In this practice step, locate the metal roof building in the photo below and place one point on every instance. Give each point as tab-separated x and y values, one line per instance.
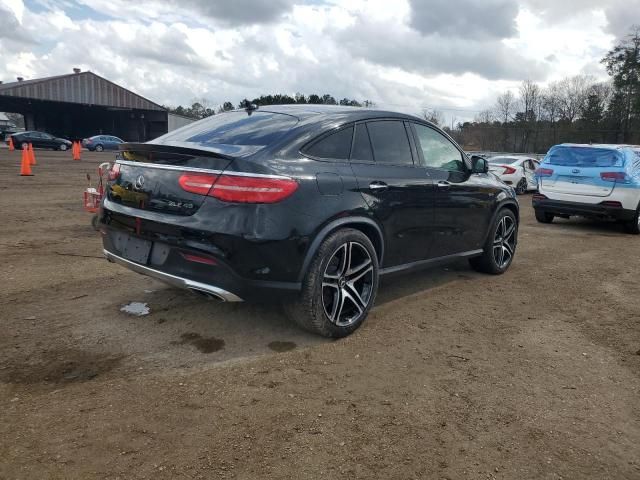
82	104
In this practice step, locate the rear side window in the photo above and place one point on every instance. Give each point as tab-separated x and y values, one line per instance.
390	142
584	157
361	150
335	146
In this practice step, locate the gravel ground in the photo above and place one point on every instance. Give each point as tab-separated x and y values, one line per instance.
455	375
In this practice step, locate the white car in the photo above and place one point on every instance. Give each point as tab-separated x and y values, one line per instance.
517	171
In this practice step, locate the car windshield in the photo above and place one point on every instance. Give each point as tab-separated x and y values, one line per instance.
584	157
503	160
232	133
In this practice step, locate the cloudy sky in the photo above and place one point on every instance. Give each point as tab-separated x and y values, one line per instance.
454	55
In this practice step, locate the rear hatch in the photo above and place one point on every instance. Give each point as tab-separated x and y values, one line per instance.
581	170
175	173
150	177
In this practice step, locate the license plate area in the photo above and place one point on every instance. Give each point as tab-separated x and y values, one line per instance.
134	249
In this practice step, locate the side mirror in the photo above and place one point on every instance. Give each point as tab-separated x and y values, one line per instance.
479	164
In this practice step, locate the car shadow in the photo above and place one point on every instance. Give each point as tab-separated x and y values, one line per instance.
183	329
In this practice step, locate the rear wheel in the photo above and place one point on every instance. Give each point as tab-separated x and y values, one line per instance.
500	247
633	226
544	217
521	188
339	287
99	148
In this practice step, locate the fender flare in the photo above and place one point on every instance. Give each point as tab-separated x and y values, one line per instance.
500	205
331	227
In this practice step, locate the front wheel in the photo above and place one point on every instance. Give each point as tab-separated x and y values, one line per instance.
500	246
340	286
99	148
63	147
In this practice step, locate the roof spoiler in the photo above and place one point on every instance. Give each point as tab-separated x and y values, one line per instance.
154	147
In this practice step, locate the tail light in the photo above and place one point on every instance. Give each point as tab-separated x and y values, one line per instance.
508	170
538	196
199	184
544	172
613	176
87	140
239	189
114	172
611	203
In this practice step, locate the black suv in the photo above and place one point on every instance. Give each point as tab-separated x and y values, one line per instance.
309	203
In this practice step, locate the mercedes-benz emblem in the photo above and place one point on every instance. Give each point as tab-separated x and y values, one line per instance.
139	182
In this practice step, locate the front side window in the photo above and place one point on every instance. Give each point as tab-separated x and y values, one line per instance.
335	146
390	142
438	151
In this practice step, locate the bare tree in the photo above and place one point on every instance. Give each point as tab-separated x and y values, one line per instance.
573	94
505	110
434	116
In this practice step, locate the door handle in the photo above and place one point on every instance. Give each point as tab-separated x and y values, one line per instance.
443	184
378	186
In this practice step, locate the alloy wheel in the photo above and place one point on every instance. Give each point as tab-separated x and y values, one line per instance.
347	284
521	188
504	242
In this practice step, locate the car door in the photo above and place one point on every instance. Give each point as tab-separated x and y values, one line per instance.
529	174
39	140
462	206
399	192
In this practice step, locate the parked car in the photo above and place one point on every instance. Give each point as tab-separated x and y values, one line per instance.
39	140
98	143
595	181
517	171
306	203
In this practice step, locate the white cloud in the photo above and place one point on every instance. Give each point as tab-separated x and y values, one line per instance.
402	55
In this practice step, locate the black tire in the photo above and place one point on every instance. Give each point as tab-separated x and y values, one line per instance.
319	294
95	222
23	145
544	217
521	188
633	226
500	247
99	148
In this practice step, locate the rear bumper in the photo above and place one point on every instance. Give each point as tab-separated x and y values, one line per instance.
598	211
174	280
171	264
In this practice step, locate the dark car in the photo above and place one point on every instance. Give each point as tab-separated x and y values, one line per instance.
306	203
39	140
98	143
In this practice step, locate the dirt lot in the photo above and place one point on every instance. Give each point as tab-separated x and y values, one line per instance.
455	375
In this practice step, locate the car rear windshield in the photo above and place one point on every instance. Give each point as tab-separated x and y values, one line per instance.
232	133
503	160
584	157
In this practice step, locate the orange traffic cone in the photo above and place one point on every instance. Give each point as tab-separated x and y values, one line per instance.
32	155
76	151
25	165
11	146
79	149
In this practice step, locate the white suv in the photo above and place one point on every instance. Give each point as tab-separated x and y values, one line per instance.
597	181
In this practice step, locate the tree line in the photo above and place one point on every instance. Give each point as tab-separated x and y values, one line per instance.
202	108
576	109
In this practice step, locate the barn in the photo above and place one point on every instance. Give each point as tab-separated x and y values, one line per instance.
82	104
